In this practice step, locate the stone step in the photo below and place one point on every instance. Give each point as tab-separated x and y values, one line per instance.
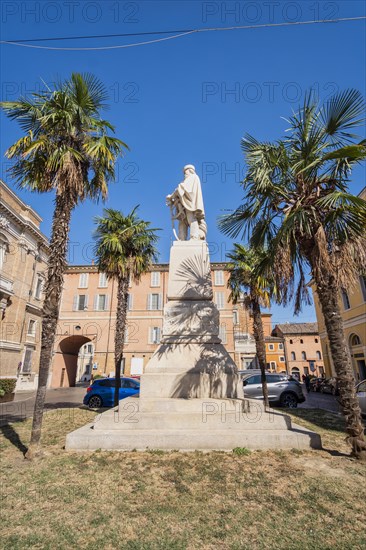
207	420
183	406
87	438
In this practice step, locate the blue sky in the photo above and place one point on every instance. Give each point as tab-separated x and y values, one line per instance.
188	100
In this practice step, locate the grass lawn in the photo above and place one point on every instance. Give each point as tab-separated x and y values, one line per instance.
155	500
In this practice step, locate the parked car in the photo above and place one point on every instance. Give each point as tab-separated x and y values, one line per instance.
101	392
281	390
315	384
329	385
361	394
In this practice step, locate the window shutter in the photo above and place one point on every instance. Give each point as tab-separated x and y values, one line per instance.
130	302
160	302
106	303
149	301
86	301
151	335
158	334
96	302
75	303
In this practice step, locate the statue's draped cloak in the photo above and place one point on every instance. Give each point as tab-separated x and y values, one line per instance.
191	195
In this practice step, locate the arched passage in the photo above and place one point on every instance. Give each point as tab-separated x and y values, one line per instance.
65	363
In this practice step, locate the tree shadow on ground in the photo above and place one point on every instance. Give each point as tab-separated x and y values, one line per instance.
11	435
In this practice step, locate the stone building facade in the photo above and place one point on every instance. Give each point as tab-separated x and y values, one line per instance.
23	263
85	337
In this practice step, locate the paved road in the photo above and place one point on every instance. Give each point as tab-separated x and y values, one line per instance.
320	401
23	405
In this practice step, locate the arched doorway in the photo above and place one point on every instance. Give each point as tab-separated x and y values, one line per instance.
66	365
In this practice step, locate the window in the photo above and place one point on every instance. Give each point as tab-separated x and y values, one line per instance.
271	347
31	327
321	371
318	355
103	282
293	356
303	355
236	317
345	299
83	280
306	370
27	360
220	300
291	341
154	302
219	278
280	346
4	248
282	359
316	340
154	335
273	378
273	365
39	287
355	340
363	286
301	341
222	334
89	348
101	302
129	302
252	380
155	278
80	302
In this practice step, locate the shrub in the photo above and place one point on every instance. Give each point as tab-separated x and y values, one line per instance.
7	385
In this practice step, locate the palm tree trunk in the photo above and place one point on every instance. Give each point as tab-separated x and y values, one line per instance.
328	294
260	346
119	338
52	295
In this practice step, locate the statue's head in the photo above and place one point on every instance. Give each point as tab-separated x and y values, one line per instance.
189	169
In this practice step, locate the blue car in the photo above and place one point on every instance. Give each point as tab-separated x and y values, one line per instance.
101	392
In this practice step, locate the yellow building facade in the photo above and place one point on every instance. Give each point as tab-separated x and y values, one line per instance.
353	308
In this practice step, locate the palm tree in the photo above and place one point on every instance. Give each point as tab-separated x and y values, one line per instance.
244	275
298	204
124	250
66	149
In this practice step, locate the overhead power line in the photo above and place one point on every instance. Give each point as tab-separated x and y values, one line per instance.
25	42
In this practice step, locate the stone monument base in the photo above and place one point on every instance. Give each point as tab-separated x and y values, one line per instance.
189	370
189	425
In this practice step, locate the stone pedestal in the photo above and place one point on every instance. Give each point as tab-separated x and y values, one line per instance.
191	361
191	396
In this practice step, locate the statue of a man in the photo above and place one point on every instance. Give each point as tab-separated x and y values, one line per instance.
186	205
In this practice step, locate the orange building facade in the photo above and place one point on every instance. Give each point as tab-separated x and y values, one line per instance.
85	336
302	348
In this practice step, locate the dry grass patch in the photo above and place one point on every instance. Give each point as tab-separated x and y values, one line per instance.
264	499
